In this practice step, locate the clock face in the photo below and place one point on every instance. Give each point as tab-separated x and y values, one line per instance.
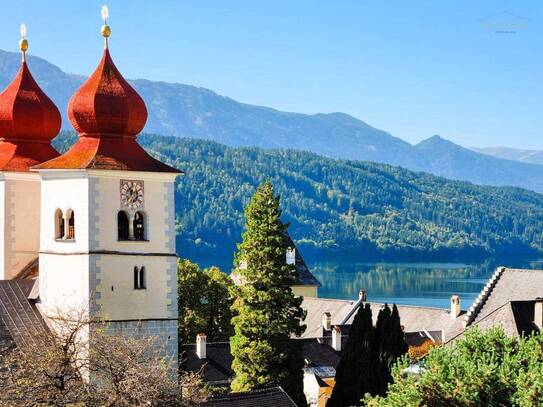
131	194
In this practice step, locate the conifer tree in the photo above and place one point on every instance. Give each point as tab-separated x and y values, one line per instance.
266	311
389	346
354	374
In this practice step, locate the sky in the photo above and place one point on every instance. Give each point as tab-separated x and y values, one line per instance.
471	72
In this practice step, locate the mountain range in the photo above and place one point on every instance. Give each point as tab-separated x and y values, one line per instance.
515	154
187	111
342	208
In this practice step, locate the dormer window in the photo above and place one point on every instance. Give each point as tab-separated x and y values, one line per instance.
291	255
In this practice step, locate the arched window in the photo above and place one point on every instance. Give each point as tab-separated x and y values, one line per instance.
122	226
139	277
139	226
71	225
59	224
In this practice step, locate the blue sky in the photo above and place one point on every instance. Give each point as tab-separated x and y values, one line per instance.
472	73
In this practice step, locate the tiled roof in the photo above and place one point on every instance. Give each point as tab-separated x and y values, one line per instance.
20	315
512	285
413	318
274	397
516	318
216	368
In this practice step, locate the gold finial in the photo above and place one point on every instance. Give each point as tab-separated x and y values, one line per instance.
106	30
23	43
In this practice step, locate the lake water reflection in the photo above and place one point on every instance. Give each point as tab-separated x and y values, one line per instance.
427	284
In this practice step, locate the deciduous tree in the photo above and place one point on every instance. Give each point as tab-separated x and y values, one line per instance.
204	303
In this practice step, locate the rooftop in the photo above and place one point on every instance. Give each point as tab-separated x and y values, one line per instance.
413	318
274	396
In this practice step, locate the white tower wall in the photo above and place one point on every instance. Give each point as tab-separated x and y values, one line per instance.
20	221
95	270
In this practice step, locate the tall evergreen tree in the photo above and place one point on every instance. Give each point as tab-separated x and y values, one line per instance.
389	346
354	374
267	313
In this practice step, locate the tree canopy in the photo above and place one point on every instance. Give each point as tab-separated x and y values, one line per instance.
204	303
482	369
266	311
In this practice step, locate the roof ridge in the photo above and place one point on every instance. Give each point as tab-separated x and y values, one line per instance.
480	301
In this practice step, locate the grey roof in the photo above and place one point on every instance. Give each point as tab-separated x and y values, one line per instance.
413	318
303	275
217	367
511	285
516	318
19	314
274	396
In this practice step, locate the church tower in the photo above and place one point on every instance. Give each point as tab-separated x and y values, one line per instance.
29	120
107	242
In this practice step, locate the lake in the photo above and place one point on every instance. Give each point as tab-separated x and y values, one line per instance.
428	284
425	284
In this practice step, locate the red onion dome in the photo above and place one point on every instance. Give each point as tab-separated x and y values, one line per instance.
106	104
26	113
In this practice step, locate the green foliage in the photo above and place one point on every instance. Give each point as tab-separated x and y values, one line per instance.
266	311
389	346
354	375
370	353
482	369
204	303
374	210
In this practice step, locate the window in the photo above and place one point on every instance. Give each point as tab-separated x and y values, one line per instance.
122	226
59	224
139	226
71	225
139	278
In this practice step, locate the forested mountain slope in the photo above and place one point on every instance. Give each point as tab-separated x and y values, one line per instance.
364	209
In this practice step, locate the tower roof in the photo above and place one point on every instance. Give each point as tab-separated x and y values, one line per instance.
108	114
106	104
29	120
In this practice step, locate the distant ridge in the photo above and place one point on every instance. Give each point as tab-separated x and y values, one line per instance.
515	154
188	111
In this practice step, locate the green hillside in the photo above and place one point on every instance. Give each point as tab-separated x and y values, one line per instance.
363	209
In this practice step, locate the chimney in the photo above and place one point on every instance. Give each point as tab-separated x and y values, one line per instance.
362	295
336	338
326	321
201	346
455	306
538	313
291	255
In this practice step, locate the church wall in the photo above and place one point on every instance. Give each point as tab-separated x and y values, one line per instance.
22	221
64	283
117	298
3	274
165	332
65	190
106	196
